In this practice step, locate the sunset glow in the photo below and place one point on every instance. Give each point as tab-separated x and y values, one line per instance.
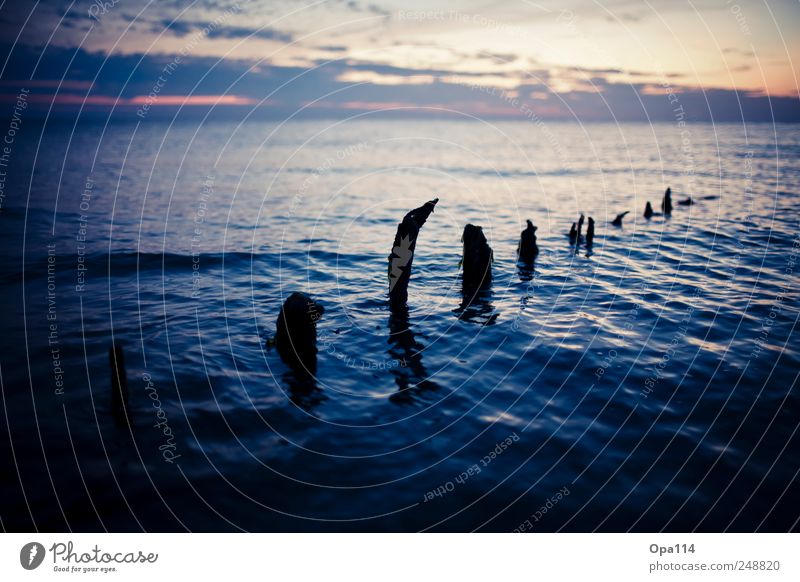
414	53
594	56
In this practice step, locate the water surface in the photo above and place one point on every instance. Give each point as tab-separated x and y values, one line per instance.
647	383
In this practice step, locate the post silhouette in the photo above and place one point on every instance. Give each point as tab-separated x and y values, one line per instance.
618	220
527	248
402	255
666	203
296	332
477	258
573	234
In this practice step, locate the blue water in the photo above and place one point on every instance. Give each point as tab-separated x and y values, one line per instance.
647	384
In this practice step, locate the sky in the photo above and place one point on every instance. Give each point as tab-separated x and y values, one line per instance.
720	60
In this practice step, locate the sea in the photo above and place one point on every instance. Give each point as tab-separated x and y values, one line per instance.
646	382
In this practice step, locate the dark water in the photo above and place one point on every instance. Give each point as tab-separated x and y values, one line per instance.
647	384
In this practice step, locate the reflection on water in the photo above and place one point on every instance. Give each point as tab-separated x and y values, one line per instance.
410	375
526	271
303	389
476	305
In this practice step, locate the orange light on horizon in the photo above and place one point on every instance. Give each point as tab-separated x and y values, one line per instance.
192	100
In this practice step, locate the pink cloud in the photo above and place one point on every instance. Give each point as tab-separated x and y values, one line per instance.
192	100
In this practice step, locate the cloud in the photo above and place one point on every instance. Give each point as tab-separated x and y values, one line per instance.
215	30
344	86
242	32
177	27
369	8
332	48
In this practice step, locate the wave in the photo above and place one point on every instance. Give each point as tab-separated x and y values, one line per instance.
122	263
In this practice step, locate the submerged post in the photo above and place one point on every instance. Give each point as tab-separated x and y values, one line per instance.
478	256
402	255
666	203
618	220
296	335
527	249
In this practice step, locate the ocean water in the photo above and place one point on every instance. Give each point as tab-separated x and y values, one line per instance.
648	383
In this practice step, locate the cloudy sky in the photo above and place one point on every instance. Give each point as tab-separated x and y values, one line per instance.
607	59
